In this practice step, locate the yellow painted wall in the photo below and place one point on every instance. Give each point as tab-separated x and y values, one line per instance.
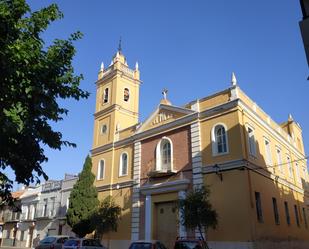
214	100
234	142
118	152
261	133
107	156
268	229
230	198
121	197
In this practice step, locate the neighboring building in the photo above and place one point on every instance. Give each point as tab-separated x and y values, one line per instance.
43	211
48	209
26	227
66	188
256	168
9	221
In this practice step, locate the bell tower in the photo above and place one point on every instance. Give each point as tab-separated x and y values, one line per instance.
117	99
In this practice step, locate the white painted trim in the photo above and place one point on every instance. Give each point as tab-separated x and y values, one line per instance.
250	126
136	191
99	169
164	107
121	164
159	154
214	144
148	212
165	187
272	131
231	165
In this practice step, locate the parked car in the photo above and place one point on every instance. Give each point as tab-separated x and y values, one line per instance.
83	244
52	242
147	244
190	243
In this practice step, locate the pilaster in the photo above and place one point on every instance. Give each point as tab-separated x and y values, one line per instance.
135	219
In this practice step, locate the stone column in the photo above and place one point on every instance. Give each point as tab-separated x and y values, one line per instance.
136	192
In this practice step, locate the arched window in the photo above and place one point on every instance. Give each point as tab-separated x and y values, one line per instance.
164	154
219	139
123	167
251	141
101	169
126	94
105	95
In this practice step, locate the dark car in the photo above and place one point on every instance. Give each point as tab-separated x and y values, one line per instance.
147	244
83	244
187	243
52	242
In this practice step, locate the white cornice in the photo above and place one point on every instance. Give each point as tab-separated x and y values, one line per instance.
272	131
165	187
241	163
178	123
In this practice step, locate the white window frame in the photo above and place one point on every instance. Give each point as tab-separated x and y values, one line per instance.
305	172
214	141
99	170
251	141
290	167
159	166
297	172
121	164
279	159
268	155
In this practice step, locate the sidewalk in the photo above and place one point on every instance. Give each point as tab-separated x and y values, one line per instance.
13	247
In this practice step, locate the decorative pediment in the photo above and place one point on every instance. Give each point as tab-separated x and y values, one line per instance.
162	115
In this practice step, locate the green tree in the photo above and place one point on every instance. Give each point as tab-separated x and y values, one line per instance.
33	78
197	212
83	202
106	217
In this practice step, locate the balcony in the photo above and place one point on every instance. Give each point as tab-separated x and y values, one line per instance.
48	211
11	216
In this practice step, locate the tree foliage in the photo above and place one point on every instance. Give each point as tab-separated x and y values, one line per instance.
32	80
197	212
106	217
83	202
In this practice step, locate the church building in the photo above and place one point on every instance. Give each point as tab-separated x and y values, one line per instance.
255	168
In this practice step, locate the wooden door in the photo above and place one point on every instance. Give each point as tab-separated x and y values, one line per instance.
166	223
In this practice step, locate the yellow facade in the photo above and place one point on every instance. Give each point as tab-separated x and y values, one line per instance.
254	170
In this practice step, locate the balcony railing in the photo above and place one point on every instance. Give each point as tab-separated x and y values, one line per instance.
11	216
48	211
42	211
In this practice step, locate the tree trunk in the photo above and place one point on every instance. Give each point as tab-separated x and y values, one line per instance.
202	236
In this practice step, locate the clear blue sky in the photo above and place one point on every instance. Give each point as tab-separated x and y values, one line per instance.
189	47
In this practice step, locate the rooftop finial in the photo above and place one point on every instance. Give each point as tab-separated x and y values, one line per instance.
164	92
119	46
102	66
290	117
233	80
136	66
